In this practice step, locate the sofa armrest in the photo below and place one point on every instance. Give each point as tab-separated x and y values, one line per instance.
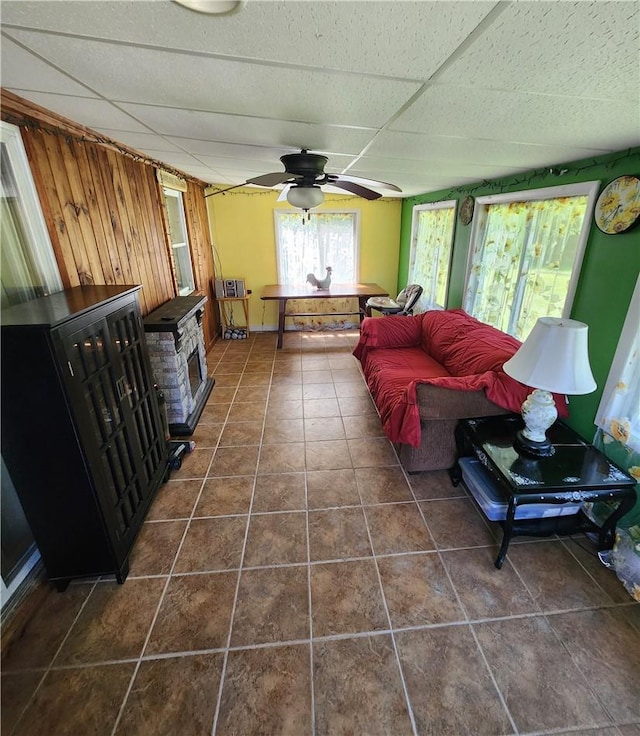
389	332
436	402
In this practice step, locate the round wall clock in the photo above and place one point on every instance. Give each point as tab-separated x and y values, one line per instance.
618	206
466	210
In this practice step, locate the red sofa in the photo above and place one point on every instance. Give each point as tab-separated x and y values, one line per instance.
427	371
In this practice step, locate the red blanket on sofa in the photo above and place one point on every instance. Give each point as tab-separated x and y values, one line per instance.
447	348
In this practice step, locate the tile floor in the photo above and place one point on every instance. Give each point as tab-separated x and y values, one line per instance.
291	579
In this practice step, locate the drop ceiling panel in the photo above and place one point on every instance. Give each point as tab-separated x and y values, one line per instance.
22	70
132	74
86	111
246	130
473	151
474	112
354	36
583	49
392	166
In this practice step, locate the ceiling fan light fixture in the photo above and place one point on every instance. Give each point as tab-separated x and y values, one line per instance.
213	7
305	197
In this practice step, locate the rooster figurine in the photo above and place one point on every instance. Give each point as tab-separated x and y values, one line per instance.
324	283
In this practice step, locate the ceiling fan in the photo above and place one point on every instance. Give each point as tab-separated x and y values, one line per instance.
304	174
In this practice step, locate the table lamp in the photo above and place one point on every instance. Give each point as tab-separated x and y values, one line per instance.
554	358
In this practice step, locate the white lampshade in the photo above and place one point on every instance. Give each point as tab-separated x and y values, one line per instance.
554	358
213	7
305	197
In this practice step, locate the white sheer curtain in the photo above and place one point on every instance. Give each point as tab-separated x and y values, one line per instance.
526	255
327	239
430	258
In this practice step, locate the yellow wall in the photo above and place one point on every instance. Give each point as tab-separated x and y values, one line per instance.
243	234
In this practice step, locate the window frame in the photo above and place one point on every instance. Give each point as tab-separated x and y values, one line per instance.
356	234
446	204
587	189
178	194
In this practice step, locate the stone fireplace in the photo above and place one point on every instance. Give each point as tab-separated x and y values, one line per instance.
176	346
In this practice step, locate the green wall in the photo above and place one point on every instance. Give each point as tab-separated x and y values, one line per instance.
609	270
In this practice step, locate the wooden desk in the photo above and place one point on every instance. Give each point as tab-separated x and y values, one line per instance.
282	293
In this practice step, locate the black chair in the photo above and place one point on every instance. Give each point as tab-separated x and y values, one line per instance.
403	304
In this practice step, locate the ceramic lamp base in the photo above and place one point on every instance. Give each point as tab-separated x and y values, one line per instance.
539	413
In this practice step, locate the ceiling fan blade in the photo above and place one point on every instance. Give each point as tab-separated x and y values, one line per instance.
369	182
354	188
270	180
283	193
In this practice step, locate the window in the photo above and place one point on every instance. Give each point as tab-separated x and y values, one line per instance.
327	239
526	254
179	241
28	264
430	258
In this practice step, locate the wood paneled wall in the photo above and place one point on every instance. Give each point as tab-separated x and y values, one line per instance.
105	210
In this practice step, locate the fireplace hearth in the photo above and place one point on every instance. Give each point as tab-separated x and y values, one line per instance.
176	346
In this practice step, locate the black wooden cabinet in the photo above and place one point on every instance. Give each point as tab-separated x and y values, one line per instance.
82	434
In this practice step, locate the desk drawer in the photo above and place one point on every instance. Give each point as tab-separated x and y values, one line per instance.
494	504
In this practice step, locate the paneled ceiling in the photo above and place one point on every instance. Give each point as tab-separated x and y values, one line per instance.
426	95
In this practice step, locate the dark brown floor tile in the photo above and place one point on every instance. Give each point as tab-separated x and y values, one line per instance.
397	527
586	552
372	452
287	458
351	388
241	433
221	394
338	534
173	696
346	598
267	691
449	686
272	606
323	428
77	701
318	391
434	484
194	465
457	523
284	410
358	689
222	496
214	413
285	393
252	393
279	431
207	435
98	635
255	379
195	613
606	648
175	500
320	408
359	406
39	637
486	592
225	378
382	485
250	411
279	492
316	376
418	591
155	548
542	687
234	461
554	577
212	544
16	691
326	488
328	455
276	539
356	427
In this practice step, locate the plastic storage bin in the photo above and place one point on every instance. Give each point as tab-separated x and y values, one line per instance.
494	504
